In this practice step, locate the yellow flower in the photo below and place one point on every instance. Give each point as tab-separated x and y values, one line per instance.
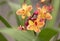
40	22
43	13
35	26
24	11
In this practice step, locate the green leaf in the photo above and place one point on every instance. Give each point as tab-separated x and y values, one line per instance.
58	40
19	35
5	22
46	34
2	38
3	2
54	13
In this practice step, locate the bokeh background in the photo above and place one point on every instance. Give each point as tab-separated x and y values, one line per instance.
5	9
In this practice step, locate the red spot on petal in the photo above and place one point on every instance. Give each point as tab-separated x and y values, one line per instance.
35	23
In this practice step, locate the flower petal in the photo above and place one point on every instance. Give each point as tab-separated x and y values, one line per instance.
37	30
41	24
42	0
31	22
23	17
30	27
48	16
28	14
29	8
20	12
24	6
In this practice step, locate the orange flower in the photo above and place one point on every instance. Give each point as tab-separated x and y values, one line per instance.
35	26
24	11
43	13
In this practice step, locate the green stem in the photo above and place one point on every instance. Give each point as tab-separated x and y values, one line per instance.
18	21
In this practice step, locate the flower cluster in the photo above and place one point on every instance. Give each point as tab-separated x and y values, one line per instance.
37	20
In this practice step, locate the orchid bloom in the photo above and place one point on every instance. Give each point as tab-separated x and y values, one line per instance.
32	26
35	26
24	11
38	18
43	13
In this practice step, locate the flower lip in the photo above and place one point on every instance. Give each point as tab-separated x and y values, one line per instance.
36	23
